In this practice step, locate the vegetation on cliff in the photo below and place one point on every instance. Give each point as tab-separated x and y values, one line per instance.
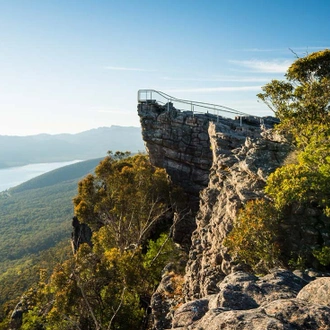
107	284
301	102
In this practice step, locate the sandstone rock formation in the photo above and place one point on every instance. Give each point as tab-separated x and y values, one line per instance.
81	233
245	301
242	160
179	142
227	164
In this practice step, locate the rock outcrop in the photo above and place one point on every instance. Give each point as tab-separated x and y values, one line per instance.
179	142
242	160
81	233
223	165
279	300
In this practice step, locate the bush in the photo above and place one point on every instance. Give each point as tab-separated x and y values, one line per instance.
254	237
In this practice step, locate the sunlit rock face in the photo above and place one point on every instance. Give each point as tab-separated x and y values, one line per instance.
179	142
221	165
243	158
191	145
279	300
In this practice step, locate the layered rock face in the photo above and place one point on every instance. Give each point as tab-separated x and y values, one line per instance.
243	159
179	142
227	165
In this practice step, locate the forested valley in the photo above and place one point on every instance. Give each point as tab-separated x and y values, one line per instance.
129	206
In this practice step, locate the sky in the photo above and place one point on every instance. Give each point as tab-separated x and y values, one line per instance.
67	66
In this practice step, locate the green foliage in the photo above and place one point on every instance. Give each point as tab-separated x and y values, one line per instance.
302	104
128	195
95	290
25	273
35	219
32	321
159	253
297	262
315	66
308	180
254	237
109	285
304	98
323	255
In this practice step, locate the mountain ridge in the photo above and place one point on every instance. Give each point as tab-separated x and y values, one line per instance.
94	143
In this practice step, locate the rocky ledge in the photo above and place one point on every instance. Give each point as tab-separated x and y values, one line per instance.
223	164
279	300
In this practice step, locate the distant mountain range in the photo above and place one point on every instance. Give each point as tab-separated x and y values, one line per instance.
45	148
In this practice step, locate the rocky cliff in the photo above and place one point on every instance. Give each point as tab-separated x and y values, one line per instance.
222	165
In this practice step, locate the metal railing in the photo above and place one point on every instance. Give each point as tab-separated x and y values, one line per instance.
151	95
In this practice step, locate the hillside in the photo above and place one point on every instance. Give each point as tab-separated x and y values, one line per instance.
22	150
57	176
35	217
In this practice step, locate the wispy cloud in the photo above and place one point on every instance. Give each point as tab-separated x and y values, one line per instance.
273	66
264	49
220	79
304	49
123	68
217	89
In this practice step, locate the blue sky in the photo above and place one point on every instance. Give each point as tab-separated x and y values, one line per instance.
71	65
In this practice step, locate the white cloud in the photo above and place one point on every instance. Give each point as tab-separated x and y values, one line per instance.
122	68
264	49
274	66
217	89
222	79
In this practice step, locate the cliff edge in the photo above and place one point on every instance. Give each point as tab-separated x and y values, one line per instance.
221	164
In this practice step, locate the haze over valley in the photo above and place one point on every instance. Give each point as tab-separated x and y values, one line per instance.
46	148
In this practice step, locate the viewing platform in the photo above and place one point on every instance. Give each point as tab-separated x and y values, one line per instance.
195	107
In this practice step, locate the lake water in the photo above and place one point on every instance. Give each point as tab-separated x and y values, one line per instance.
13	176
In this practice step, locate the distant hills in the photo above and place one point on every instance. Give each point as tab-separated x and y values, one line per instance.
45	148
63	174
37	213
35	217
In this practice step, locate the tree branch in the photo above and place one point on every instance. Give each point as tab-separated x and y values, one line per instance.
118	308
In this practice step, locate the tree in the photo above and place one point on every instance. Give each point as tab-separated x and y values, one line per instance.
302	103
127	197
254	237
303	99
106	285
306	181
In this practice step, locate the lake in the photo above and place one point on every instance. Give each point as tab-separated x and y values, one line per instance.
13	176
